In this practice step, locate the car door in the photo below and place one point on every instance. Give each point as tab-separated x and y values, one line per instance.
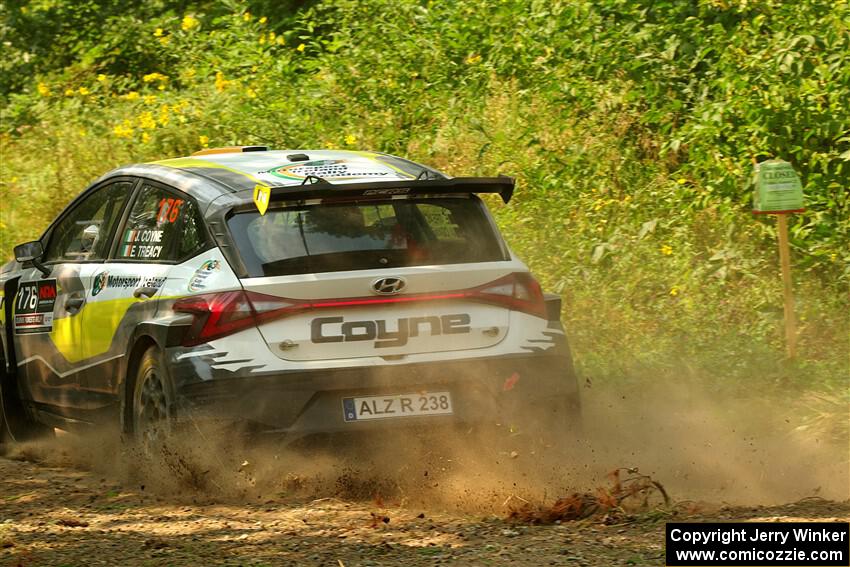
49	310
162	227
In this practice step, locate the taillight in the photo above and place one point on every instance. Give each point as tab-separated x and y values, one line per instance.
518	291
220	314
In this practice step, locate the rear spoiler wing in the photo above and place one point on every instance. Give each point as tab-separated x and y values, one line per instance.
322	189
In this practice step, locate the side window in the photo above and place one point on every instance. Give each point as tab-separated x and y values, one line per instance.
193	237
157	228
86	232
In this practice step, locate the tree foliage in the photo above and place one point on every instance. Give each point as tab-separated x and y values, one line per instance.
630	124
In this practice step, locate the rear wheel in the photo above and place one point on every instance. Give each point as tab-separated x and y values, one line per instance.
151	407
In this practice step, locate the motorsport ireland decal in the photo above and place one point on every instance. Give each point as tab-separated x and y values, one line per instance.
199	280
34	307
145	244
98	283
104	281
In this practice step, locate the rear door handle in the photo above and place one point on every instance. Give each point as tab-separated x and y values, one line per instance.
74	303
147	292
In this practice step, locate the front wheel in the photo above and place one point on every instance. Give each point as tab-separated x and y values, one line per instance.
16	426
152	403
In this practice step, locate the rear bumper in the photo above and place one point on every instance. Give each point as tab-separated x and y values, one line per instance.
487	391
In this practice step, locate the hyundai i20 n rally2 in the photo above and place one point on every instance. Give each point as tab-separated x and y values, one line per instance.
302	292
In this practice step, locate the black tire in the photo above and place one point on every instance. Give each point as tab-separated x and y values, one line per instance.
16	426
150	403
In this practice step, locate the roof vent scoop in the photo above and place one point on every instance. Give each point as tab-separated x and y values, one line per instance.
297	157
231	150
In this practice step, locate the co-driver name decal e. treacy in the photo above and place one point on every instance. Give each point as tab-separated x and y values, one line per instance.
142	244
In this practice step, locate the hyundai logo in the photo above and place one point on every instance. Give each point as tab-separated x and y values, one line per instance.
389	286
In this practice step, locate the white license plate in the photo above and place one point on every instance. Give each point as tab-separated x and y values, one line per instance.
400	405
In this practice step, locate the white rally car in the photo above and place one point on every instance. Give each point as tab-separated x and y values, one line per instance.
299	291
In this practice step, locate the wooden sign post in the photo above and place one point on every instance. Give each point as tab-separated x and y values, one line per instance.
778	191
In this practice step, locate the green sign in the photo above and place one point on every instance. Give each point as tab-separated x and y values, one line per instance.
777	188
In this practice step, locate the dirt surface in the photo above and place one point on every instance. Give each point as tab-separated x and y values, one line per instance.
65	516
210	497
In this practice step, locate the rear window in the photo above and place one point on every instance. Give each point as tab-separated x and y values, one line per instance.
363	236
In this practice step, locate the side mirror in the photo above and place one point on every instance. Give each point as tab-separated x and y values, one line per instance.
31	252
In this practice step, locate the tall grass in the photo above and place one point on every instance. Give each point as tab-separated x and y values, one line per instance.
629	126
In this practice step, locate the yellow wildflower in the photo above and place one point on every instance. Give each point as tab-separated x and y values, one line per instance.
264	20
146	121
189	23
301	47
43	89
151	77
161	87
262	38
220	82
164	115
330	145
150	99
157	32
132	95
350	140
84	91
674	291
251	92
146	137
246	16
681	181
271	36
473	59
124	130
69	92
164	41
204	140
666	249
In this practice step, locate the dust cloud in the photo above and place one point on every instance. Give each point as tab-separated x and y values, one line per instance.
701	446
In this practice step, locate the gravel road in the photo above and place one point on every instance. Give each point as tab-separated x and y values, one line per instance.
66	516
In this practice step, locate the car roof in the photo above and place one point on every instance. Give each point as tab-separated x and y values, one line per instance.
207	177
223	178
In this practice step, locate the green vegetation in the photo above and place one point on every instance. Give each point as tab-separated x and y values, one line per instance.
630	125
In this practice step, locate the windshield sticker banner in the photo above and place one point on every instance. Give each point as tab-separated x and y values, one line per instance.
334	169
34	307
